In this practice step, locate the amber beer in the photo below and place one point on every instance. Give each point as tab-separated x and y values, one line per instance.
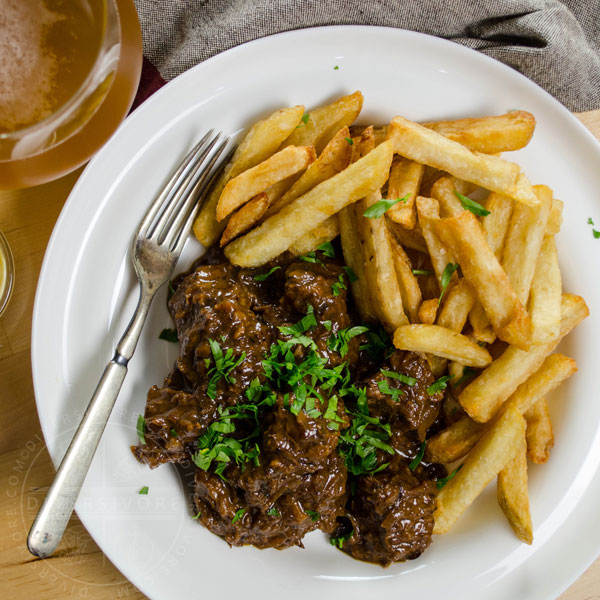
69	71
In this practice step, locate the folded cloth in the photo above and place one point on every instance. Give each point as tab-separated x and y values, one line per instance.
556	44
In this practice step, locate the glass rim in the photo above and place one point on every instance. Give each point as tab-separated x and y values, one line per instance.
74	101
9	266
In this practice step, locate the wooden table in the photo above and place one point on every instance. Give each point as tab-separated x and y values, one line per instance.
78	569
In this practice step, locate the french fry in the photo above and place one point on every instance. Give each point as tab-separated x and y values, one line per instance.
512	493
246	216
428	311
409	286
281	230
430	148
325	232
443	191
324	122
482	328
257	179
540	437
545	293
428	212
456	307
362	144
334	159
494	450
555	218
441	342
408	238
380	271
554	370
354	259
463	236
262	140
495	227
454	442
502	133
523	241
404	182
487	392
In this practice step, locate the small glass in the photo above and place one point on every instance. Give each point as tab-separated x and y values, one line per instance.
7	273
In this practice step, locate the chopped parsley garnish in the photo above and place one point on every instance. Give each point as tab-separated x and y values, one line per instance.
471	205
339	541
264	276
143	491
416	461
173	433
327	324
197	515
308	321
327	249
381	207
439	385
422	272
590	222
238	515
304	120
311	257
338	342
171	290
440	483
595	233
331	415
273	512
169	335
338	286
446	277
385	388
141	428
410	381
359	443
224	365
379	345
468	373
313	514
352	276
336	67
350	141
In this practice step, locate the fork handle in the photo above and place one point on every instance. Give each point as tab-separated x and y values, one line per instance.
50	523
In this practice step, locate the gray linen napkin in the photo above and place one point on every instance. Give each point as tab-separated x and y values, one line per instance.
556	44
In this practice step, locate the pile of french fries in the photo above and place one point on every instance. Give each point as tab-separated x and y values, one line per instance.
474	286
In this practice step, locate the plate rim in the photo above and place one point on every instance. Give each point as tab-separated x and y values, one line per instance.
138	114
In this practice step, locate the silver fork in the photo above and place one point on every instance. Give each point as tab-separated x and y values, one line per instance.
156	248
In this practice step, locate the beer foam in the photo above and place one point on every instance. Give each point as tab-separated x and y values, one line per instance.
27	67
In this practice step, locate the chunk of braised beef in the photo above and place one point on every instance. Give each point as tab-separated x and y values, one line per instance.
417	408
391	514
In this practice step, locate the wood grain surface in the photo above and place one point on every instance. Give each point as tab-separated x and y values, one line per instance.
79	569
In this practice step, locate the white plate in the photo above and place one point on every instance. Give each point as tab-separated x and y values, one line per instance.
87	292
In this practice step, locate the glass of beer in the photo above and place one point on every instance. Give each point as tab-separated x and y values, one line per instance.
69	70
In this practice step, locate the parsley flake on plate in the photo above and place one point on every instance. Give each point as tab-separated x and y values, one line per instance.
141	428
143	491
440	483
